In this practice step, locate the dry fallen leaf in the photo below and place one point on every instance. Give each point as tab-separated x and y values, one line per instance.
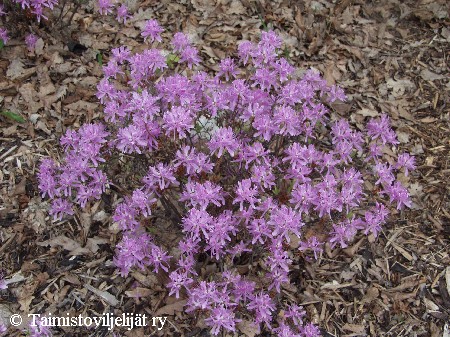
47	89
206	7
428	120
431	306
25	294
139	292
368	112
108	297
86	222
20	187
81	106
336	285
372	293
235	7
71	278
66	243
16	70
356	328
248	328
415	189
171	308
17	277
30	96
399	87
92	243
5	314
402	137
62	241
446	330
428	75
39	47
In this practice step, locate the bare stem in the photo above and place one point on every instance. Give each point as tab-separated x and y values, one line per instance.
73	13
168	205
62	11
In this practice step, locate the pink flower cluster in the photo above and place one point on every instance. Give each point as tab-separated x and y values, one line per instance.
106	7
37	6
270	162
78	178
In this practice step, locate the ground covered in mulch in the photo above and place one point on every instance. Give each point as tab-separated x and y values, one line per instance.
389	56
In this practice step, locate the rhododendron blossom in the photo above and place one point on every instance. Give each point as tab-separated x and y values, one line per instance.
4	35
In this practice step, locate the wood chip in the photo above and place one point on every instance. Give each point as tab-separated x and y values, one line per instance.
109	298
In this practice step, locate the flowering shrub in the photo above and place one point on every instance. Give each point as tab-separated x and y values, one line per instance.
37	6
37	9
106	7
9	9
244	162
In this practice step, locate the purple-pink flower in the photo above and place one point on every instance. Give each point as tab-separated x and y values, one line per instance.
190	56
159	176
180	41
105	6
406	162
202	195
263	306
3	285
131	139
221	318
380	128
178	121
4	35
224	139
30	41
122	13
59	208
152	31
228	69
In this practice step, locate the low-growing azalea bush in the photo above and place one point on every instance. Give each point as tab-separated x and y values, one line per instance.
40	9
33	8
248	162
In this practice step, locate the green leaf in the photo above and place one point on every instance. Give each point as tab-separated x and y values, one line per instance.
13	116
2	44
153	230
171	60
263	23
198	127
291	186
99	57
276	190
